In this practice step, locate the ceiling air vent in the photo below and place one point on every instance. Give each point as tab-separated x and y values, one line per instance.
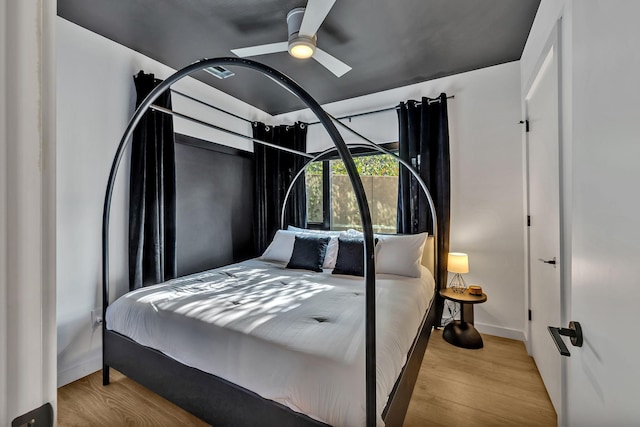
219	72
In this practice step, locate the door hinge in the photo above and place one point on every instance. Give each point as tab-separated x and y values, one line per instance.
526	125
529	315
528	220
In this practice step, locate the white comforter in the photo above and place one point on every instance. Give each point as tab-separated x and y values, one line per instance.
292	336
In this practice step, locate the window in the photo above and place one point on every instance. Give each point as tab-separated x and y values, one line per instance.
331	201
315	205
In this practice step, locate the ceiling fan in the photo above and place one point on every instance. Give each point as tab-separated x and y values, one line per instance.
303	24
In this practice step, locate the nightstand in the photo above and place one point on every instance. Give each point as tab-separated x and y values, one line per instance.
462	333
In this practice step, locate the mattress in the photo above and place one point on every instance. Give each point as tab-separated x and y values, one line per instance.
292	336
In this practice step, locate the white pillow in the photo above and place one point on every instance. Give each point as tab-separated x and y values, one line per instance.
332	249
332	253
281	247
332	233
400	254
352	232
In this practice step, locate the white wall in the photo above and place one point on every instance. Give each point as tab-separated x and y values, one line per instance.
95	100
549	12
4	417
487	218
27	207
552	14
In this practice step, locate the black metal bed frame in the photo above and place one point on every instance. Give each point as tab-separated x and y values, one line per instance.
222	403
212	398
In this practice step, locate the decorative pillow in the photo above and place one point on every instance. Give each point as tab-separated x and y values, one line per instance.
281	247
332	233
400	254
354	233
308	252
332	253
350	258
332	249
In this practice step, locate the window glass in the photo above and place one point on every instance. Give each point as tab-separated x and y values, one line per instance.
313	178
379	175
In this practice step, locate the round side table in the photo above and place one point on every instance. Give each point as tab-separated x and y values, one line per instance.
462	333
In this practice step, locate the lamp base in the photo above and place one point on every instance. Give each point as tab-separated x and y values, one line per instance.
457	284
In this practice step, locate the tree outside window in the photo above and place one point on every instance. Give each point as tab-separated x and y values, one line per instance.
379	175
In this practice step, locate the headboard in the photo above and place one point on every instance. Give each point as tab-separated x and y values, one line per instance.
428	254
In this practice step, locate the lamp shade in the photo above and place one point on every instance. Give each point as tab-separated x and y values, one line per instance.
458	262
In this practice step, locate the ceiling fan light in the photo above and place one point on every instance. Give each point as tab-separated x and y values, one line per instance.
302	48
301	51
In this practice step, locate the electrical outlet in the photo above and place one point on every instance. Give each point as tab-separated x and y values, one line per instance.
96	317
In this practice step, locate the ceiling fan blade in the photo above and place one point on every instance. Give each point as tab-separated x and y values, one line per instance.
331	63
261	50
314	14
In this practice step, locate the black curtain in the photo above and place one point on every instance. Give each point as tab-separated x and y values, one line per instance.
152	192
424	143
274	171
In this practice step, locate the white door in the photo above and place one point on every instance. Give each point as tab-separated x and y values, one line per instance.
603	376
541	105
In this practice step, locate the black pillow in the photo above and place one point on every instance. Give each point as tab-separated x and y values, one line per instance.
350	258
308	252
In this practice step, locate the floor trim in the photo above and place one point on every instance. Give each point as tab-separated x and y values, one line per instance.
80	370
500	331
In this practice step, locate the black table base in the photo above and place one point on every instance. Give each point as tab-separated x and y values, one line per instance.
462	334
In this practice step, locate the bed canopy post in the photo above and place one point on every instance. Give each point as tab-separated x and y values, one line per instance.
345	155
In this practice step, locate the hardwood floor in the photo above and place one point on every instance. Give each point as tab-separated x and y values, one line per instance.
498	385
123	403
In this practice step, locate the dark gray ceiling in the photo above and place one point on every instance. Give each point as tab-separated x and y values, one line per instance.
389	43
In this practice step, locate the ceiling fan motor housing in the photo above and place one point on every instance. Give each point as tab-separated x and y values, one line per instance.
294	21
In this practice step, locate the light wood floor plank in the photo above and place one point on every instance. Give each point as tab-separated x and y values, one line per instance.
497	385
87	402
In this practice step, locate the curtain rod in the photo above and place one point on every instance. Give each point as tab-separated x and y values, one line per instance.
210	105
309	124
366	113
221	129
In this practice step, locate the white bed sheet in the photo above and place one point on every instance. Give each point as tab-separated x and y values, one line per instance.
292	336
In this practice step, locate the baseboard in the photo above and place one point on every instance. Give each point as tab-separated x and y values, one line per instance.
499	331
79	370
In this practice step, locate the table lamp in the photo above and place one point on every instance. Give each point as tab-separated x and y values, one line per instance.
458	263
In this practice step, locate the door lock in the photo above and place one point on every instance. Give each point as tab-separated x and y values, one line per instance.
548	261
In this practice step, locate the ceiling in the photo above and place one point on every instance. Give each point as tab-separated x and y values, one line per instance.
389	43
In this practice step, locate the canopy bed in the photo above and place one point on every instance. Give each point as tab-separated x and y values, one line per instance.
257	343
